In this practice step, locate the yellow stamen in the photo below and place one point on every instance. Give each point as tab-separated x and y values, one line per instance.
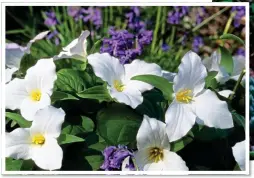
118	86
156	154
35	95
184	96
38	139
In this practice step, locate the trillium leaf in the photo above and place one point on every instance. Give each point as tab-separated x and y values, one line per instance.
118	124
26	62
210	81
66	138
99	93
95	161
226	60
232	37
238	119
159	82
13	165
58	95
180	144
18	119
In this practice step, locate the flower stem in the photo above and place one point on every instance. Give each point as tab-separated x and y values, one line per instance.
157	26
232	15
237	84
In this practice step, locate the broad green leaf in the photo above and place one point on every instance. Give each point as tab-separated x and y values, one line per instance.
26	62
95	161
180	144
159	82
210	81
58	95
12	164
27	165
226	60
232	37
66	138
99	93
118	124
238	119
18	119
70	80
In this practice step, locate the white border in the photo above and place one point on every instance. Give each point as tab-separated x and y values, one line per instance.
4	4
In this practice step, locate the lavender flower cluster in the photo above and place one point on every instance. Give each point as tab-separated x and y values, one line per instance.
240	13
52	21
175	16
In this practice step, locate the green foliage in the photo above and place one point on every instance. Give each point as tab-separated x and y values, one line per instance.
18	165
210	81
18	119
58	95
232	37
226	60
67	138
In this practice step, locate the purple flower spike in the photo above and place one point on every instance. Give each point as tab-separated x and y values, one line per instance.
197	43
175	16
93	15
51	19
165	47
53	35
240	52
240	13
73	11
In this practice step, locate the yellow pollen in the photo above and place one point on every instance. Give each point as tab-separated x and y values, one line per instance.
38	139
35	95
184	96
156	154
118	86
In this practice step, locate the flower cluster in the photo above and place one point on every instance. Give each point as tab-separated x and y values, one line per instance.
197	43
240	13
175	16
51	21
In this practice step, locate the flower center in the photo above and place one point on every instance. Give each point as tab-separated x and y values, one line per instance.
118	86
35	95
38	139
155	154
184	96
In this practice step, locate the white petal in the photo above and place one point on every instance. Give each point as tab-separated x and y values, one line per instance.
41	76
29	107
222	75
213	63
126	163
173	162
239	65
17	144
76	49
49	156
37	37
107	67
216	114
239	154
179	120
152	134
9	73
129	96
138	67
14	54
168	75
48	121
191	74
15	94
142	159
226	93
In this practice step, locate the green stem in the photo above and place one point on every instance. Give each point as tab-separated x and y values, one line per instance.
157	26
229	23
238	83
111	14
172	35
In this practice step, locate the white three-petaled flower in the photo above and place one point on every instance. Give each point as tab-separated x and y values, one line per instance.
14	54
33	92
118	77
194	103
76	49
154	148
39	142
239	154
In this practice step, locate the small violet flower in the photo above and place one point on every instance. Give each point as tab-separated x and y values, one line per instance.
51	19
53	35
176	15
240	13
93	15
197	43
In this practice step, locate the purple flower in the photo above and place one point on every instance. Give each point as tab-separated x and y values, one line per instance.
114	156
93	15
200	15
51	19
176	15
197	43
75	12
165	47
240	52
240	13
134	22
53	35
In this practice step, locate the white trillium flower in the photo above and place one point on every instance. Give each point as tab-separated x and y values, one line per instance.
76	49
39	142
192	101
118	77
14	54
226	93
33	92
239	154
239	66
154	148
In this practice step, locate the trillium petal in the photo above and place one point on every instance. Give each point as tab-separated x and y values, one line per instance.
9	73
142	159
152	134
213	63
239	154
130	96
41	76
168	75
76	49
17	144
222	75
138	67
191	74
14	54
179	120
15	94
239	66
48	121
37	37
226	93
107	67
29	107
217	114
173	162
49	156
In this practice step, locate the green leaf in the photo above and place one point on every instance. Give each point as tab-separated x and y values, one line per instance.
210	80
118	124
27	165
239	119
66	138
95	161
232	37
70	80
159	82
44	49
18	119
252	155
26	62
12	164
226	60
180	144
99	93
237	167
58	95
